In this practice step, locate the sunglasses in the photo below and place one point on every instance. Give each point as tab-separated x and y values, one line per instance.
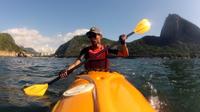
91	35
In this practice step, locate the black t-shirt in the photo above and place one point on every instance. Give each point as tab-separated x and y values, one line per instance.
84	52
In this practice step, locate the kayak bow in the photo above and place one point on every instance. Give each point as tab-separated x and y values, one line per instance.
102	92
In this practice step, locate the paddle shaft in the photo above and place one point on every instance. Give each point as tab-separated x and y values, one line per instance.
130	34
71	70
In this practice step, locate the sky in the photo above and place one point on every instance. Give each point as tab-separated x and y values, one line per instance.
46	24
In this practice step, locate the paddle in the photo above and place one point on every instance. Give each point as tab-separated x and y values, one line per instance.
40	89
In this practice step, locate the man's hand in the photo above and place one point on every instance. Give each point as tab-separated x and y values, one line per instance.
63	74
122	39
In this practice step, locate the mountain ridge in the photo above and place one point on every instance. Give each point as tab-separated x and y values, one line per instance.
8	47
178	38
7	43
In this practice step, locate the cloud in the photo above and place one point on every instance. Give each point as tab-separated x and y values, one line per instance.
32	38
70	35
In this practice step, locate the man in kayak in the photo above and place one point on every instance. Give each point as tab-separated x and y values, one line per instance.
96	54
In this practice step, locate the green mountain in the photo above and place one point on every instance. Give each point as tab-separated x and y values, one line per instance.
7	43
8	46
75	45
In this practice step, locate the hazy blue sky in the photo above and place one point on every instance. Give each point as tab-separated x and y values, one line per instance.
53	17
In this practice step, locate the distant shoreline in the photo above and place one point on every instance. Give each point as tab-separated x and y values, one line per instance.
133	57
15	54
8	53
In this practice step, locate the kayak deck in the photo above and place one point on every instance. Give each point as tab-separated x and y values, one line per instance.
110	92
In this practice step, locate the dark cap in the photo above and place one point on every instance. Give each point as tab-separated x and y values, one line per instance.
94	30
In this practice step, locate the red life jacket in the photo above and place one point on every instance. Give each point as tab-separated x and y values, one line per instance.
97	61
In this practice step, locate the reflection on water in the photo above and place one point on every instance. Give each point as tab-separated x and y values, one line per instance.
169	85
184	80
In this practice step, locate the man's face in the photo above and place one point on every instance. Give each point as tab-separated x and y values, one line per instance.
95	39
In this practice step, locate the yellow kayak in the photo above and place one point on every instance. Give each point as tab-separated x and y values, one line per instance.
102	92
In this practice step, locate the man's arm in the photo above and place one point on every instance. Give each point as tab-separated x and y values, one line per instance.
74	64
63	73
122	49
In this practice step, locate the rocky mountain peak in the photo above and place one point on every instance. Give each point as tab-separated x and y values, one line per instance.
177	29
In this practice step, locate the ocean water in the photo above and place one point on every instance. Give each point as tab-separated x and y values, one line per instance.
170	85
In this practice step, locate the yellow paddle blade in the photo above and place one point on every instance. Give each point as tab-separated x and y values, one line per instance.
36	90
143	26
